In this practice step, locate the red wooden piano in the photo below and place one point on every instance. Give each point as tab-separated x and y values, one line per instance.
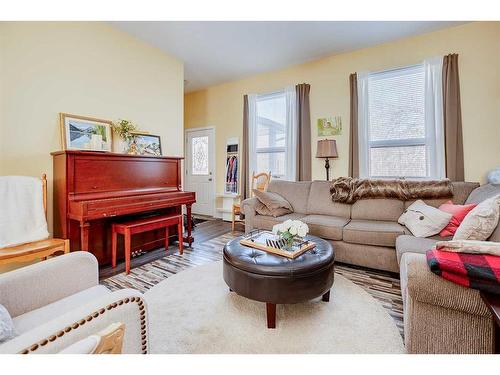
94	189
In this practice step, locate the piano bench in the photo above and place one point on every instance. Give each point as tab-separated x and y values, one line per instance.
127	229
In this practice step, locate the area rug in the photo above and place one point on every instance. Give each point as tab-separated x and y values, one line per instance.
194	312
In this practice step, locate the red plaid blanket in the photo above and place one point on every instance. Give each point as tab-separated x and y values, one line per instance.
475	271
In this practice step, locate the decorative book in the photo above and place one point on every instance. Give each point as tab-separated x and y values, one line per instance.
271	243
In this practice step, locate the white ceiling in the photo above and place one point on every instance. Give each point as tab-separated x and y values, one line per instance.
216	52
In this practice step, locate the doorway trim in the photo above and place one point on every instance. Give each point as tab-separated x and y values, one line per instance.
212	157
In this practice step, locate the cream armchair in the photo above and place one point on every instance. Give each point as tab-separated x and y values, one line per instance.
58	302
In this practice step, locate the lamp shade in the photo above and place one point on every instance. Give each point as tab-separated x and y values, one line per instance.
327	148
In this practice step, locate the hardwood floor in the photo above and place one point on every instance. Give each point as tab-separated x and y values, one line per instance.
209	238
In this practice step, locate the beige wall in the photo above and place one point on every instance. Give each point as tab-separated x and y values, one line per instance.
85	68
478	45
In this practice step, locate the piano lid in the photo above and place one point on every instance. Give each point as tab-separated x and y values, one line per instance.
107	174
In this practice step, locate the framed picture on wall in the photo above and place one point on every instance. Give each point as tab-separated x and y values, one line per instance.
329	126
147	144
85	133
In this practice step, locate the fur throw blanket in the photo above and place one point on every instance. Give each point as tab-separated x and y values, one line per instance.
349	190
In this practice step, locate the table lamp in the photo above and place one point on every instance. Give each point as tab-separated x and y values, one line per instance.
327	148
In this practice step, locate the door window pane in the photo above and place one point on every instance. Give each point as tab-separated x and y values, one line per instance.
199	149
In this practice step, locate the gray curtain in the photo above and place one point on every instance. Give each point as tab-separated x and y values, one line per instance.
353	129
245	188
452	113
303	172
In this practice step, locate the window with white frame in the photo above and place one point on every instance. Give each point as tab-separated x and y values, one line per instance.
400	122
272	134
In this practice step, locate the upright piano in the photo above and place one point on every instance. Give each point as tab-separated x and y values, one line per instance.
94	189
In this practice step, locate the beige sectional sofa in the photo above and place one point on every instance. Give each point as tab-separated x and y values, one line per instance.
363	233
440	317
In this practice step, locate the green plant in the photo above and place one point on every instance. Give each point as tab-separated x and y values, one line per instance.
124	129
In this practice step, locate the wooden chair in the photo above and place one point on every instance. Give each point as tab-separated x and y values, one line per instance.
37	249
260	182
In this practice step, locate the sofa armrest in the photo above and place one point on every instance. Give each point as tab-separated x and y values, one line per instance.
31	287
126	306
424	286
248	209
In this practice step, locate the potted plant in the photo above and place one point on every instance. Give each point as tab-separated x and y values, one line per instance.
125	130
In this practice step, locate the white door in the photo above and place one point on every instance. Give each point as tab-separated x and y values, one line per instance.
200	165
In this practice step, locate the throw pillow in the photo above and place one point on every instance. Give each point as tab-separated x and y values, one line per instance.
470	247
276	204
6	325
423	220
262	209
480	223
459	212
84	346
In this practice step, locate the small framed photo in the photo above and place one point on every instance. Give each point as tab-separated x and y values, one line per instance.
147	144
85	133
329	126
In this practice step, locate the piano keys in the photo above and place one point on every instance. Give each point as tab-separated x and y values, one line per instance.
93	189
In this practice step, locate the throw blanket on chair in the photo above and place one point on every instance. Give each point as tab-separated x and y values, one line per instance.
22	217
349	190
475	271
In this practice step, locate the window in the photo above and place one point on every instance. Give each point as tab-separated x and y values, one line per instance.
271	133
199	157
400	123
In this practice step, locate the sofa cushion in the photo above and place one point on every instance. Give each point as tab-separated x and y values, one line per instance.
423	220
495	236
430	202
461	191
481	222
267	222
297	193
459	211
272	200
34	318
482	193
271	204
262	209
377	209
372	232
326	226
320	201
411	244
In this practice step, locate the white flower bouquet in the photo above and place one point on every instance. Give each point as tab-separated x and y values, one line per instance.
290	229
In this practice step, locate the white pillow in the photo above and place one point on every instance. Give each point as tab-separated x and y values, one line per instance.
480	222
85	346
470	247
423	220
6	325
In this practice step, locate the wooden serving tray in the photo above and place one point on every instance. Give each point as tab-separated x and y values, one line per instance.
258	241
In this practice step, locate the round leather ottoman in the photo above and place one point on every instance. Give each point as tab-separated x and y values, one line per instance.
273	279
